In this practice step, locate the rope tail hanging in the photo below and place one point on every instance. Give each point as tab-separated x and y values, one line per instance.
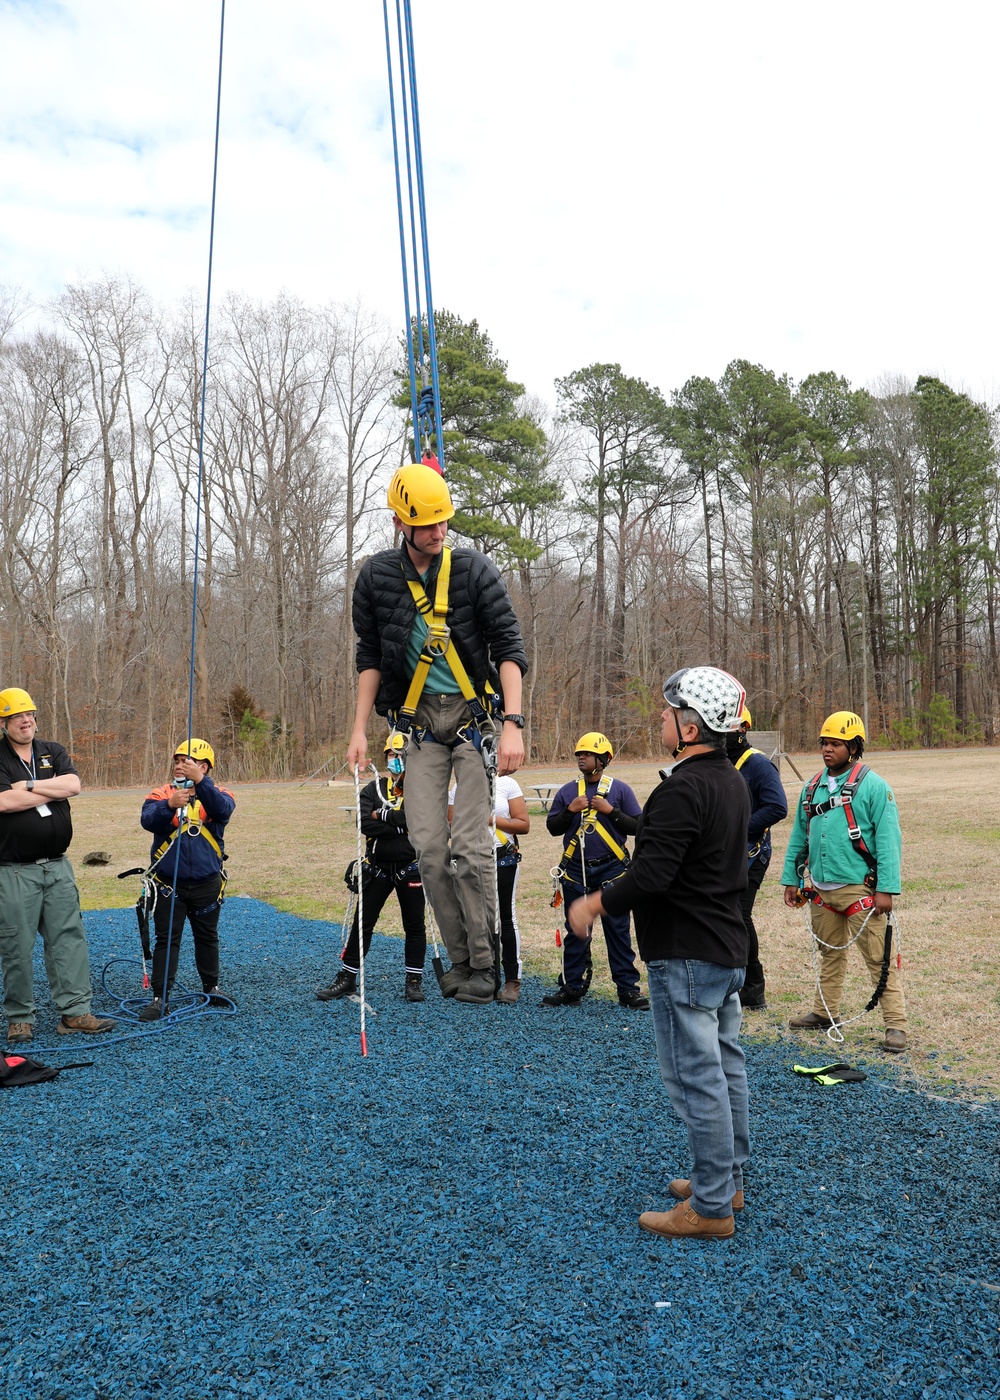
198	489
425	401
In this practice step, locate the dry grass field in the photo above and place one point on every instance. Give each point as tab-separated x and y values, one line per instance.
289	845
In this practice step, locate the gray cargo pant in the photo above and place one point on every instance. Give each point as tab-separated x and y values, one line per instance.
42	899
457	867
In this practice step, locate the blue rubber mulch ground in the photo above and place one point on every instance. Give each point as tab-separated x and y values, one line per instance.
244	1207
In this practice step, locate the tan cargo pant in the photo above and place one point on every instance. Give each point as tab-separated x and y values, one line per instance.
836	929
457	867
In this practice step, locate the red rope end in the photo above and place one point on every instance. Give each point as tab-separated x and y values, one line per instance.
558	939
145	981
364	1045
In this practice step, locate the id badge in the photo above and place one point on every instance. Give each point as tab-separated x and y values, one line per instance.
44	811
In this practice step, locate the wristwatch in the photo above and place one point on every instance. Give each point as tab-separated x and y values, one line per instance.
514	719
30	785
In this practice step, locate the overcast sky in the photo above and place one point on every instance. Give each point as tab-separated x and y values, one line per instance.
808	185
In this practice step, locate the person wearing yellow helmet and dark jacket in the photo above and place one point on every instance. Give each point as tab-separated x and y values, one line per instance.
595	814
847	832
38	893
440	654
768	805
390	864
188	819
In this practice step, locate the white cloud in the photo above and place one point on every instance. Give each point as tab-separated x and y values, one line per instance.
664	185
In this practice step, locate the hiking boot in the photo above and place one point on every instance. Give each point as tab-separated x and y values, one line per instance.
683	1222
345	984
480	987
510	991
752	997
633	1000
895	1041
217	997
152	1011
810	1021
414	990
562	997
680	1188
454	977
18	1032
84	1025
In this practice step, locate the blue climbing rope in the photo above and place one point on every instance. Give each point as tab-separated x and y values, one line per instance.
425	405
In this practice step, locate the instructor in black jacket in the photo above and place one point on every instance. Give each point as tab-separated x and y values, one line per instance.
688	870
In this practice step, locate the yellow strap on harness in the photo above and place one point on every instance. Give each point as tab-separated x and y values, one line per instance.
743	758
438	640
591	821
194	826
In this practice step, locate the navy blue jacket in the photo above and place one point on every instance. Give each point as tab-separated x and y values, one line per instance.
197	859
768	804
621	823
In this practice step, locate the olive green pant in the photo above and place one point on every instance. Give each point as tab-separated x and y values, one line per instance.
837	929
42	899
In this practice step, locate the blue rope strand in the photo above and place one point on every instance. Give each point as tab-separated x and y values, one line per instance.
402	229
425	243
197	518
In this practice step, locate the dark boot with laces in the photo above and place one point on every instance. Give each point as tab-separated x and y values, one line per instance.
345	984
414	987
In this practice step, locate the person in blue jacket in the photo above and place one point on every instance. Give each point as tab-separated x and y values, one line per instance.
595	814
188	819
768	805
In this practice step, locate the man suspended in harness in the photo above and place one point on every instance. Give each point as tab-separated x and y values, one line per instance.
595	814
188	818
390	864
768	806
440	654
847	832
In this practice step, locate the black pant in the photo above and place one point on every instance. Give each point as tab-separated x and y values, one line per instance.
379	885
191	899
510	939
755	972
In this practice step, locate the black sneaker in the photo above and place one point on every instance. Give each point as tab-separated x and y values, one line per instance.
752	997
634	1000
414	990
152	1011
216	997
345	984
561	997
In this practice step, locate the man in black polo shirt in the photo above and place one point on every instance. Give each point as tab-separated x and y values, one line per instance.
37	890
688	870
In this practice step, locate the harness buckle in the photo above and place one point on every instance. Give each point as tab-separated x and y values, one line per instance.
438	639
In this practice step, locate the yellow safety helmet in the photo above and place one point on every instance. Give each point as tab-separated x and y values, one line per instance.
844	725
418	495
395	743
198	749
15	702
595	743
745	718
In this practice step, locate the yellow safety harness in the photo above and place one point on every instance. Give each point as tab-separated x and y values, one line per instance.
438	643
193	822
752	851
590	821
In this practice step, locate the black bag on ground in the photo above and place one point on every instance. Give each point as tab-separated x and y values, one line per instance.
16	1070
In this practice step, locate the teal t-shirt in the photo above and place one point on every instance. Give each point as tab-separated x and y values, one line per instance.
832	859
440	679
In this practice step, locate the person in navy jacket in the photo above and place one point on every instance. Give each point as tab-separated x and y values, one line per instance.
188	819
769	805
595	815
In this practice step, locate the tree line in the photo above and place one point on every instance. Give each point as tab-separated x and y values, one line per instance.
832	546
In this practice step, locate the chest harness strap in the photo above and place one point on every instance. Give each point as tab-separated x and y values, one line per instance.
194	824
844	798
590	821
438	643
753	851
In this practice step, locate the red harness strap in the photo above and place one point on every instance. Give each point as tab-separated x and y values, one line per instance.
867	901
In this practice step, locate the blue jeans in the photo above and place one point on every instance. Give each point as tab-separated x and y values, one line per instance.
696	1019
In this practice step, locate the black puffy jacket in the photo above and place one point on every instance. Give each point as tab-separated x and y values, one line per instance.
483	624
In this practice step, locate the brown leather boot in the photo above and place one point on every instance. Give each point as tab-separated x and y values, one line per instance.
680	1189
88	1025
18	1032
510	991
683	1222
810	1021
895	1041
